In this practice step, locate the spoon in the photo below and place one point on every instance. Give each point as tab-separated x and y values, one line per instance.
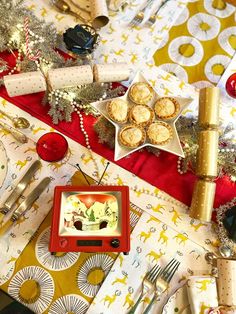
20	137
18	122
65	8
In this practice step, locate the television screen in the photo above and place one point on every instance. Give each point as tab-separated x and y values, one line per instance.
90	213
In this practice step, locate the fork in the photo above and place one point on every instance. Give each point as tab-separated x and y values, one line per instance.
138	18
163	281
148	284
152	19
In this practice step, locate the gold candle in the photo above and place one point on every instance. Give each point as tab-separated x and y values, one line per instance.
209	100
202	200
207	154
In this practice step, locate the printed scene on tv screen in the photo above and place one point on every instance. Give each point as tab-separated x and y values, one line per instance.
90	212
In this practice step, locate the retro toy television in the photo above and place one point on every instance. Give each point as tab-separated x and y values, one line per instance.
90	219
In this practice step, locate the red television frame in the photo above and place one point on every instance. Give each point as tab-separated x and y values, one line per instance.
91	243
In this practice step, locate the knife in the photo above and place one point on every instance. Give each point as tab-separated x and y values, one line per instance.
19	189
26	204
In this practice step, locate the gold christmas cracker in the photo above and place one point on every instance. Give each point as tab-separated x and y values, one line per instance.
113	72
209	100
226	281
202	200
25	83
207	154
99	13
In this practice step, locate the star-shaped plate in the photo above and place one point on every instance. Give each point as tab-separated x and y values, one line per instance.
172	146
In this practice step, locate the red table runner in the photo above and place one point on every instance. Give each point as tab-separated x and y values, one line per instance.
159	171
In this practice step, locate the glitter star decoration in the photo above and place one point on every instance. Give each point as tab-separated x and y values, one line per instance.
173	146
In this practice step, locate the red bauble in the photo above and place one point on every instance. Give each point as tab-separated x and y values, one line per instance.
230	85
52	147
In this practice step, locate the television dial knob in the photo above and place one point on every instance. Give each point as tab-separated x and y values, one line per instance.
115	243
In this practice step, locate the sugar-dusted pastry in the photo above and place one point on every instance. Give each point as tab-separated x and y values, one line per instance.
166	108
141	115
118	110
141	93
131	136
159	133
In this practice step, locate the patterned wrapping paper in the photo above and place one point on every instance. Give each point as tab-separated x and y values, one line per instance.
152	242
208	114
207	154
25	83
226	281
202	293
70	76
33	82
99	13
114	72
202	200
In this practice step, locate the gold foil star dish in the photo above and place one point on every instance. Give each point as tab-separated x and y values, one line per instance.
144	118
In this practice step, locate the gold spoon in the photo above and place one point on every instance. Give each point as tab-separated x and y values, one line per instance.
65	8
18	122
20	137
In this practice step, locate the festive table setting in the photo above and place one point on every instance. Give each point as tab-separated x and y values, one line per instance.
117	153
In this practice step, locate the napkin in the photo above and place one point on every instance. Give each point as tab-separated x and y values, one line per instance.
202	293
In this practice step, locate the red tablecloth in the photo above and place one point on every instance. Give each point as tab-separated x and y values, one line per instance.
159	171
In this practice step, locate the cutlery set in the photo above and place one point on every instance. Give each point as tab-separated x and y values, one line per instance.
65	8
18	123
156	280
140	16
10	202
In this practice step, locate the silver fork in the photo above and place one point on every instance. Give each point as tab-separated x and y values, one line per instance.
152	19
163	281
148	284
138	18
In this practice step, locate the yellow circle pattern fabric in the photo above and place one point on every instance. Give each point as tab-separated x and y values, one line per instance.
59	283
201	43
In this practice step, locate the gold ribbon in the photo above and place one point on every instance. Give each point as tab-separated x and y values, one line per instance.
47	81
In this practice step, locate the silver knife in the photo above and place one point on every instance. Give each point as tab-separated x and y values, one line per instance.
19	189
31	198
26	204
